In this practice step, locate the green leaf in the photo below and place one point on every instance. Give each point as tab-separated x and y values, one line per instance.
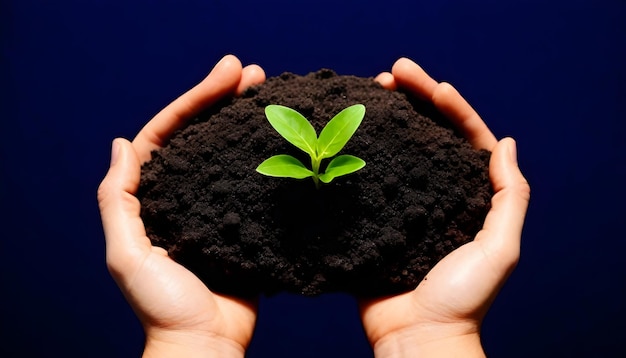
285	166
339	130
341	165
292	126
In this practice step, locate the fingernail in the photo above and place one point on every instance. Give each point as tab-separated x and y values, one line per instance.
513	151
115	149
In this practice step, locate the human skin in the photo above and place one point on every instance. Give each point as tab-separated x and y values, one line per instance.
181	317
443	315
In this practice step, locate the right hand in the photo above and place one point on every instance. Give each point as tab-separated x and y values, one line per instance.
442	316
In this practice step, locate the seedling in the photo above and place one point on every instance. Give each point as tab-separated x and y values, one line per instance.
298	131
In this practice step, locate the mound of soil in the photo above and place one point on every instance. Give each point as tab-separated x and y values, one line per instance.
423	193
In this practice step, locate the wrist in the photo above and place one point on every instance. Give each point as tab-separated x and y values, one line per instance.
429	342
191	345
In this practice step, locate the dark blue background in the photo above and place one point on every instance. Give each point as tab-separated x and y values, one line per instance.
76	74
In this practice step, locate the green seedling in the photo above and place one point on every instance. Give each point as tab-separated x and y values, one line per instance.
298	131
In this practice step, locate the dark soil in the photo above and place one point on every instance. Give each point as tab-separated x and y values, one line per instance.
423	193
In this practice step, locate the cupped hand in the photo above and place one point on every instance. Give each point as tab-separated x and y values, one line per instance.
180	316
442	316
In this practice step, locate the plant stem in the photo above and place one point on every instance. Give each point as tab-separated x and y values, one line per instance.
315	165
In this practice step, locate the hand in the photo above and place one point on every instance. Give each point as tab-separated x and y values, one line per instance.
442	316
180	316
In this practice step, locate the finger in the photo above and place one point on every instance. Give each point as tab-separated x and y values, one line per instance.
386	80
124	231
413	78
451	104
502	230
223	79
251	75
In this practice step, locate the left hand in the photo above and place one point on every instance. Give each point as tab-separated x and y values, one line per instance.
180	315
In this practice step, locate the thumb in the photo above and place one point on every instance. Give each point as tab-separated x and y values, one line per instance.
502	230
124	231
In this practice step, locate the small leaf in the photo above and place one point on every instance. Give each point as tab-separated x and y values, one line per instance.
292	126
341	165
339	130
285	166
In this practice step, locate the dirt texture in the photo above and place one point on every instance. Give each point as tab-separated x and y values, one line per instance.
423	192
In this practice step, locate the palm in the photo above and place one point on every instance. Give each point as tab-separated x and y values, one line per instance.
167	297
457	290
455	295
173	298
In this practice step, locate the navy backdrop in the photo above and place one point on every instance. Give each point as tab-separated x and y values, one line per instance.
76	74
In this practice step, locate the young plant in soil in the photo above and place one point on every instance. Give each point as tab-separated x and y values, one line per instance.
379	231
297	130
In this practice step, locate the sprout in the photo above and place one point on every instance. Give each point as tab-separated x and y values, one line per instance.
298	131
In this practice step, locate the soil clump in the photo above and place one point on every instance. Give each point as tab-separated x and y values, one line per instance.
423	192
